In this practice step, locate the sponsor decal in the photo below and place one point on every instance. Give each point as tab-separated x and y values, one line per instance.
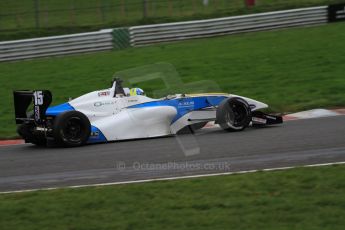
37	113
259	120
132	100
100	103
94	134
104	94
185	104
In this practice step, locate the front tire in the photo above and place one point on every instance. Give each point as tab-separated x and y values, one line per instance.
233	114
71	129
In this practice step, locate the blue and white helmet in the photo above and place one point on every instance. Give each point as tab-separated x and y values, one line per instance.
136	91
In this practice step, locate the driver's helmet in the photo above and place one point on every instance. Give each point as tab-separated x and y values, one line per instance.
136	91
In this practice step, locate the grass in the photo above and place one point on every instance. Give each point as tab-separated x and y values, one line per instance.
290	70
18	18
304	198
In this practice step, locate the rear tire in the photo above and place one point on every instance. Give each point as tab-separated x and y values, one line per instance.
233	114
71	129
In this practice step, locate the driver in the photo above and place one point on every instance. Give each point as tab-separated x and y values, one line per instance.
136	91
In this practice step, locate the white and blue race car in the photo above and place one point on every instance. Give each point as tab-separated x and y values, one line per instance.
119	113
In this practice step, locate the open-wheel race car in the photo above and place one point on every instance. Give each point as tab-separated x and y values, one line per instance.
121	113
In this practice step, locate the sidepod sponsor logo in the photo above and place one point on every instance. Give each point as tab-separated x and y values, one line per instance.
100	103
186	104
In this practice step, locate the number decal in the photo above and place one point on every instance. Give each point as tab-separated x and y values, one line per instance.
38	96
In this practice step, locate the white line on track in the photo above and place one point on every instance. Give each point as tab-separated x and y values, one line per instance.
175	178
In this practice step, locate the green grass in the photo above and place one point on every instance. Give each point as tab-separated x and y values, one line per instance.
290	70
304	198
18	18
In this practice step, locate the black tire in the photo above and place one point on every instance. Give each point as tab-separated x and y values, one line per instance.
71	129
233	114
26	131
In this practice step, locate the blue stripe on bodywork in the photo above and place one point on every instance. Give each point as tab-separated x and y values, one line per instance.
56	110
96	136
185	105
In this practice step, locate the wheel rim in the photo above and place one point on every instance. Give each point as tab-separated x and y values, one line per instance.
72	131
236	116
239	114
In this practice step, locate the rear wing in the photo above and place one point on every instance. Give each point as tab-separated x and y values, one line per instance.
41	100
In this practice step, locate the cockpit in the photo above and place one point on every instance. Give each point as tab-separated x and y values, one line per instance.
118	91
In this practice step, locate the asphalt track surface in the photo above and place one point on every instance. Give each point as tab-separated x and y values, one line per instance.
295	143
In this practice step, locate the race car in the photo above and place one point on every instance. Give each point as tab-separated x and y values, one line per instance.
121	113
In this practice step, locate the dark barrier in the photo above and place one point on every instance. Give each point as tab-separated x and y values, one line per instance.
336	12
